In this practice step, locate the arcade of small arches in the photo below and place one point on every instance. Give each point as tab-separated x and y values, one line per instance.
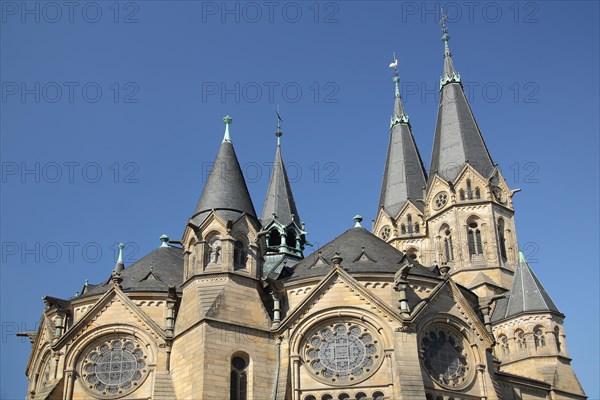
213	252
535	340
285	239
475	239
347	395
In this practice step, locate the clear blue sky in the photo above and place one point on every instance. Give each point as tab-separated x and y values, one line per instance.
111	115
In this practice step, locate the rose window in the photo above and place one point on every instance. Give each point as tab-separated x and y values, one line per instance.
341	353
114	368
385	232
440	200
445	358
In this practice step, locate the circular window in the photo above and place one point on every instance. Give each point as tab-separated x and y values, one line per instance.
499	195
385	232
445	357
114	368
440	200
341	353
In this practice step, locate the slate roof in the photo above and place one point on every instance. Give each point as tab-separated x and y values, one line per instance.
457	136
155	272
225	190
362	252
404	176
279	200
526	295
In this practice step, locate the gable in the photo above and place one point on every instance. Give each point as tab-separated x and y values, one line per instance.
112	308
339	290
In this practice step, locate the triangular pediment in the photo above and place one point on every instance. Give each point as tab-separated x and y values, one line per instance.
334	287
462	305
383	220
320	262
93	318
408	208
438	185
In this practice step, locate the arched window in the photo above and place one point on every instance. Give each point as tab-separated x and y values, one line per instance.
343	396
538	338
378	396
477	193
447	240
469	190
290	239
462	194
501	239
403	229
274	238
240	255
520	339
417	227
310	397
239	378
409	223
557	338
474	236
327	397
504	345
360	396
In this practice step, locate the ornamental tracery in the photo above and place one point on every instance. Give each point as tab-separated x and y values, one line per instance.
445	357
342	353
114	367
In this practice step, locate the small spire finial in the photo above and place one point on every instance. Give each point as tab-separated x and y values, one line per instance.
445	36
357	220
120	258
278	132
165	240
396	79
336	259
227	120
522	258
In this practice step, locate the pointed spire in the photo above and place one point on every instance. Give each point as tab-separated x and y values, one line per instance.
279	203
404	177
119	266
450	74
399	115
225	190
527	293
458	139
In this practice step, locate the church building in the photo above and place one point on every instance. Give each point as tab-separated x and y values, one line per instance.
434	302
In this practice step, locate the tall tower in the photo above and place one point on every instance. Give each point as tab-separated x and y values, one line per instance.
400	217
469	208
285	238
530	338
461	216
222	325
